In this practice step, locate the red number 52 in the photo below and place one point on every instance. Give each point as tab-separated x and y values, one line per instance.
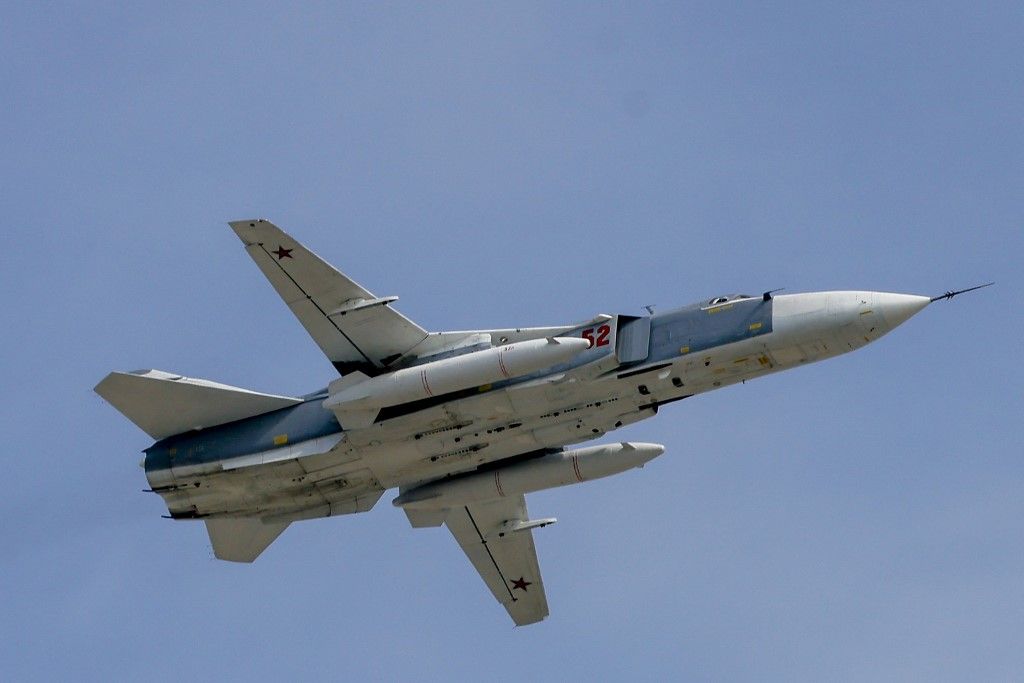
602	336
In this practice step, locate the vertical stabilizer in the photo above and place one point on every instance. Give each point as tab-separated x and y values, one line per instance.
242	540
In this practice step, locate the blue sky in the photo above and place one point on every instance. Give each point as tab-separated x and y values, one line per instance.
524	164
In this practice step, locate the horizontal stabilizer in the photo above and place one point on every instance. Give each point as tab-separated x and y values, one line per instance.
163	404
242	540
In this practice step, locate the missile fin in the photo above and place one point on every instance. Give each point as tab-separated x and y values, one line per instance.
514	525
349	380
356	419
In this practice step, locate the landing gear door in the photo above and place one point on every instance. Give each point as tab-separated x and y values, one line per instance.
633	340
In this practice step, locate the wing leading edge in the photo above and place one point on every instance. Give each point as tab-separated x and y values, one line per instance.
163	404
506	560
354	328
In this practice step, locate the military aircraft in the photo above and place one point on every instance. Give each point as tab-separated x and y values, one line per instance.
463	424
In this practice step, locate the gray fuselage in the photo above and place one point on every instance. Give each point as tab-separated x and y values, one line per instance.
295	463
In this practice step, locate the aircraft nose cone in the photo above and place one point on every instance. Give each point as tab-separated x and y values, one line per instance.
896	309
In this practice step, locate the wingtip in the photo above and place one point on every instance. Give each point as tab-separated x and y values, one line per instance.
102	384
245	227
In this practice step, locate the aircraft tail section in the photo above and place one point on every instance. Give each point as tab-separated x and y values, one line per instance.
242	539
163	404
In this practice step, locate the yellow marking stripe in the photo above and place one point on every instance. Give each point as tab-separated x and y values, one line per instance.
280	439
755	326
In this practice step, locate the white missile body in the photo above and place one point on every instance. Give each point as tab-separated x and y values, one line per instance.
545	472
356	391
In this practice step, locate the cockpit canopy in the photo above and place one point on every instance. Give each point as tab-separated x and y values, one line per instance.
718	300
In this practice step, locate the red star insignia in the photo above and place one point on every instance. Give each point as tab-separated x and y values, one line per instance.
521	584
282	253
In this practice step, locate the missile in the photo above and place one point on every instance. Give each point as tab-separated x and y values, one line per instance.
357	392
545	472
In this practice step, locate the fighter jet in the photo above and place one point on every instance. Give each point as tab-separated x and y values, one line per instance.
462	424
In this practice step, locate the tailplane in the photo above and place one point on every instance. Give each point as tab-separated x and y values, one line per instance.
163	404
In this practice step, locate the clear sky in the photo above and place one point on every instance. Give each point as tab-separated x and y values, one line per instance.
524	164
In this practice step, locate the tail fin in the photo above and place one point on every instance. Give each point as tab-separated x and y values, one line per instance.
163	404
242	539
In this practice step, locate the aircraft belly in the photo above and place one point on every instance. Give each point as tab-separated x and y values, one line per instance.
324	485
478	434
425	445
728	364
454	437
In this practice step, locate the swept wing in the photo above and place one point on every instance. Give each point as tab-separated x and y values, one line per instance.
355	329
505	559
